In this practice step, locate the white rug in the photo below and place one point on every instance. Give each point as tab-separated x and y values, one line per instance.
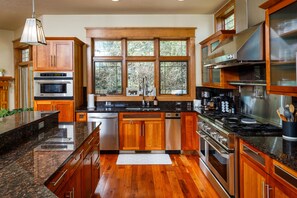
143	159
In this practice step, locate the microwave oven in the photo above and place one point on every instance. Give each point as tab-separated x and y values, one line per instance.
53	85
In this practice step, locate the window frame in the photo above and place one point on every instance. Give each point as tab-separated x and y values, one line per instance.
223	13
155	34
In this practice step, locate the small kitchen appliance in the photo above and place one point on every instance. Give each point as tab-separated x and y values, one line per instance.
205	95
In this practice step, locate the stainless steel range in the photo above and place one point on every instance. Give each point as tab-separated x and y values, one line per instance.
217	156
217	146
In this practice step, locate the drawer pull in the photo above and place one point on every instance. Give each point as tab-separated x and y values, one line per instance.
79	155
245	148
91	140
58	180
285	175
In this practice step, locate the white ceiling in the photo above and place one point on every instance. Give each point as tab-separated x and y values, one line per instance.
14	12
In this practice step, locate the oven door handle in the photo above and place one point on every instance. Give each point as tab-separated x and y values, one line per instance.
53	82
217	148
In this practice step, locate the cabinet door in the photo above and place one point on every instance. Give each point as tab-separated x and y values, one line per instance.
154	135
130	135
252	179
278	190
189	136
66	110
87	175
62	55
42	105
42	58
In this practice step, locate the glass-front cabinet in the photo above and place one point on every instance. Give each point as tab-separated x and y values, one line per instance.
212	77
281	48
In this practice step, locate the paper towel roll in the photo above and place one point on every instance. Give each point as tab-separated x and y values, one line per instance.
91	101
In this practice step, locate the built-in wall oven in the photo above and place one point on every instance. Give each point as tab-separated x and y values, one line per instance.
53	85
217	157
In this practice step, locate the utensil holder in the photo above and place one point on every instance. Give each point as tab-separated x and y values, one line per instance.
290	131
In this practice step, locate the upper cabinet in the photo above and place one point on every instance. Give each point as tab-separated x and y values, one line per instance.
212	77
57	55
281	46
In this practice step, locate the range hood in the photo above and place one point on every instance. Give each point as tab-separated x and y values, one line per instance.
244	48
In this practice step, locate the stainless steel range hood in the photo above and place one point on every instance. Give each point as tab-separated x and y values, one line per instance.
244	48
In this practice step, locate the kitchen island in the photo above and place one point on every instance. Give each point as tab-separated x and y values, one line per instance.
27	166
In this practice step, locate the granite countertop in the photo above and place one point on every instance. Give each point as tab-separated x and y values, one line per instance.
277	148
25	169
128	109
22	119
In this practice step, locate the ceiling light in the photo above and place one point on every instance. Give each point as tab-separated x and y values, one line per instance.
33	32
180	0
115	0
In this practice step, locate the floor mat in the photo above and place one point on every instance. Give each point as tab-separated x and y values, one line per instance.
143	159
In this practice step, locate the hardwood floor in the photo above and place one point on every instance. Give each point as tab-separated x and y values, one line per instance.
181	179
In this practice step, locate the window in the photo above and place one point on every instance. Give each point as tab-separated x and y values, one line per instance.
108	78
173	78
225	18
229	22
140	48
107	48
128	61
173	48
25	55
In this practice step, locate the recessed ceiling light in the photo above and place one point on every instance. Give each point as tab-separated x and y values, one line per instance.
180	0
115	0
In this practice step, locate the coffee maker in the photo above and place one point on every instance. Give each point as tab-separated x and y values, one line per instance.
205	96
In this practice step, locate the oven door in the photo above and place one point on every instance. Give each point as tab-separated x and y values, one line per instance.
53	89
221	164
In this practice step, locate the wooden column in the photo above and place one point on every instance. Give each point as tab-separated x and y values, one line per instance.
4	90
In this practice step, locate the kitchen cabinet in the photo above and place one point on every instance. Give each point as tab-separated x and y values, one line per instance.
142	131
4	90
212	77
260	176
79	176
281	46
57	55
81	117
66	108
189	137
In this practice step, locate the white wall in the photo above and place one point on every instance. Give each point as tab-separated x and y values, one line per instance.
6	60
74	26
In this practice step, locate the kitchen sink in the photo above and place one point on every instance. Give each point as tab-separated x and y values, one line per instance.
143	108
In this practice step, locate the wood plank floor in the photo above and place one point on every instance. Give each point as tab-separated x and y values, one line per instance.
181	179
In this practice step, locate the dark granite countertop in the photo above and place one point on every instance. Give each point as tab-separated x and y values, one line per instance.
277	148
23	171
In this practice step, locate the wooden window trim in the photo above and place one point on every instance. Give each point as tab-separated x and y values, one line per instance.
156	34
223	13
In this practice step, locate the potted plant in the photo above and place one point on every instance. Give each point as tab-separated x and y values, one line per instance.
2	72
3	113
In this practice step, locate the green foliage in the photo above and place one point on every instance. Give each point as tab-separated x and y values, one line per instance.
5	112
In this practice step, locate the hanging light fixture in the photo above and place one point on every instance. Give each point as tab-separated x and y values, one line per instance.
33	32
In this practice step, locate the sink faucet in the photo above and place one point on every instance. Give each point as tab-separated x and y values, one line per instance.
144	88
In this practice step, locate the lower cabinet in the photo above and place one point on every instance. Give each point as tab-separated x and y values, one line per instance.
65	107
260	176
189	137
142	131
79	177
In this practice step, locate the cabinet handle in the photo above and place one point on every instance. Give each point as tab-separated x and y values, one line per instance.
58	180
52	61
263	189
91	140
55	60
268	190
247	148
281	169
79	155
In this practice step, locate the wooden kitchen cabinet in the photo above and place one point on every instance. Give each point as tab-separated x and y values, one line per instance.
57	55
281	46
211	77
142	131
79	177
189	137
260	176
66	108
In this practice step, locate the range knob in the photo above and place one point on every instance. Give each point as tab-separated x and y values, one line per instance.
224	141
213	134
207	128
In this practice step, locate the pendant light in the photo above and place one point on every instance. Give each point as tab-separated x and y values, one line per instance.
33	32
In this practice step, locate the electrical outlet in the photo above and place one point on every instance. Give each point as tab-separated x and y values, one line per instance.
40	125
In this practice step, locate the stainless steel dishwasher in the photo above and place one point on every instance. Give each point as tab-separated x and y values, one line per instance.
109	138
172	132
